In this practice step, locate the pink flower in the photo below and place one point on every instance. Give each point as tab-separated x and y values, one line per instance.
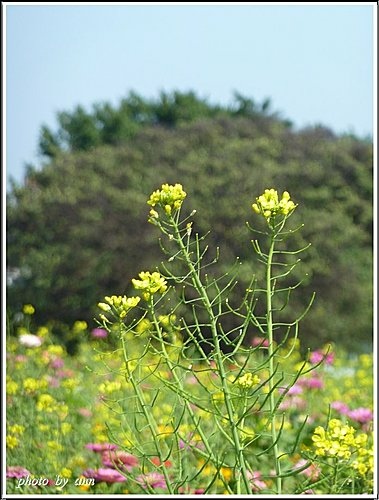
293	402
119	459
312	383
99	333
156	461
57	363
100	447
259	342
188	491
340	407
21	358
17	472
312	471
152	479
361	415
54	382
85	412
294	390
105	475
64	373
256	483
318	356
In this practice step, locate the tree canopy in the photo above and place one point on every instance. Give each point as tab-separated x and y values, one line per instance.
77	227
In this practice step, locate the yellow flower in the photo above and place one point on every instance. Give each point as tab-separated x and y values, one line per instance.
66	428
65	472
46	403
269	205
12	442
28	309
218	397
104	307
62	410
120	304
53	445
110	386
78	461
56	350
42	331
150	283
69	383
16	429
144	325
43	427
338	440
164	430
248	380
31	385
83	483
79	326
227	473
170	198
12	387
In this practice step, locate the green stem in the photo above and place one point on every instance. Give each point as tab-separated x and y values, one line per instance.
197	283
271	355
178	381
148	415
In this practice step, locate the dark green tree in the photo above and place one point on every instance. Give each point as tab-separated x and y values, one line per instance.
77	230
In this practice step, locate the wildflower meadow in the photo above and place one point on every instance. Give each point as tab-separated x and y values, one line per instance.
186	388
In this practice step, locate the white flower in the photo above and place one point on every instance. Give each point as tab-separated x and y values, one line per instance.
30	340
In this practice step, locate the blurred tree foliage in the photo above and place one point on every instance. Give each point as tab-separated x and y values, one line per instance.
77	227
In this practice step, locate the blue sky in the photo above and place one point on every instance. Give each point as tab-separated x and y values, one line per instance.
315	62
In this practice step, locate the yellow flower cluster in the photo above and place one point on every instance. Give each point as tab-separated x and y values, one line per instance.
144	325
170	198
12	442
14	431
110	386
248	380
120	304
32	385
28	309
338	440
269	205
150	283
11	386
47	403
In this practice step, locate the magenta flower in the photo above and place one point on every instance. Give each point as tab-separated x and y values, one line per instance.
119	459
99	333
57	363
361	415
100	447
259	342
105	475
340	407
296	389
17	472
318	356
312	383
152	479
